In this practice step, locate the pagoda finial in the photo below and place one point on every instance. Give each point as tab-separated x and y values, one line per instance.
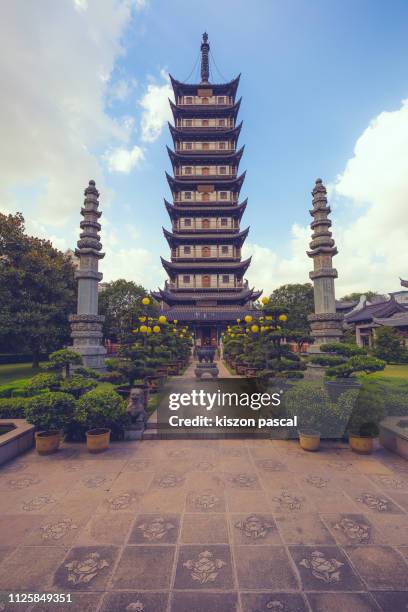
205	47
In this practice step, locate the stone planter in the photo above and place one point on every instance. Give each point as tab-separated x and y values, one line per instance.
251	372
338	386
309	440
47	442
362	445
97	440
394	435
173	368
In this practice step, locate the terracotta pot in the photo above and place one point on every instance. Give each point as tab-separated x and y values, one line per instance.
309	440
97	440
361	444
47	442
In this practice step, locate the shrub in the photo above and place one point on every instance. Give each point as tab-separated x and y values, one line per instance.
10	388
389	345
42	381
101	408
367	413
342	348
358	363
52	410
13	407
327	360
77	385
63	360
116	378
86	372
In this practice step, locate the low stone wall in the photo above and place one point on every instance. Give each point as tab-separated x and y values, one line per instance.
17	441
394	435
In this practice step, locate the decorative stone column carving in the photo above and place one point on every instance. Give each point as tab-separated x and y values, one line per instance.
325	322
86	325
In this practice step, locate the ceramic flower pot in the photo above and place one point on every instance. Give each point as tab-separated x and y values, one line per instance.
309	440
361	444
47	442
97	440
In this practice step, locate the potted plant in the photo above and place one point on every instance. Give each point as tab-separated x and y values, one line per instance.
50	412
63	360
363	426
309	403
100	410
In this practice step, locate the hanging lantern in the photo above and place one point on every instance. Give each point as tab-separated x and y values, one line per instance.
265	300
255	329
143	329
283	317
162	319
247	318
145	301
156	329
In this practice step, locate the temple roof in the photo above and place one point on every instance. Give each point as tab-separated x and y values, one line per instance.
204	134
210	237
172	297
205	156
210	266
222	183
231	210
399	319
404	283
205	110
380	310
190	89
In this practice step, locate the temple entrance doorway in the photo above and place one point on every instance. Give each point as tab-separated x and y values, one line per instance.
207	335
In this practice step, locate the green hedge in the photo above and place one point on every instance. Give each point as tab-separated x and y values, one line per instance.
13	407
6	358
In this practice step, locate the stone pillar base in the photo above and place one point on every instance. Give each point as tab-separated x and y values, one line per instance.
87	340
326	327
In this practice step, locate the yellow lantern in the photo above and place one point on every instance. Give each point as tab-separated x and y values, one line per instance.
156	329
265	300
283	317
162	319
175	321
238	321
135	330
142	319
247	331
149	330
248	318
145	301
175	330
269	318
143	329
255	329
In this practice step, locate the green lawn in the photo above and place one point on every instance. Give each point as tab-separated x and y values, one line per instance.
15	371
393	371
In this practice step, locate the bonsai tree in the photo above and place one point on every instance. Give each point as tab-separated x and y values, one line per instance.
344	360
50	411
367	413
77	385
62	361
102	408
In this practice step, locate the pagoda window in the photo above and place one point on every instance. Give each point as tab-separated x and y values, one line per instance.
224	250
223	170
206	224
224	195
205	123
189	122
205	196
225	278
188	170
206	146
189	100
205	251
187	222
206	281
187	195
221	146
224	222
204	100
205	171
221	100
189	145
186	279
221	122
187	250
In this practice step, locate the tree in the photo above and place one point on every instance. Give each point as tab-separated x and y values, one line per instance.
298	301
120	303
356	295
389	344
37	290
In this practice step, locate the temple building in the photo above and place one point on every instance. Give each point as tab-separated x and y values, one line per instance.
206	287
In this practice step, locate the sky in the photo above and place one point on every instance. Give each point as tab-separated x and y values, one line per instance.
324	83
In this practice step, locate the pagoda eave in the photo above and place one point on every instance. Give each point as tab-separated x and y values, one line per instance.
220	133
237	238
238	266
232	184
205	110
186	89
235	210
205	156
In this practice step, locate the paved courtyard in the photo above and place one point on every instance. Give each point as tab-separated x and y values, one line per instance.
195	525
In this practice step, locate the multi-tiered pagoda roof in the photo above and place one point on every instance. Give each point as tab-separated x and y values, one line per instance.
206	270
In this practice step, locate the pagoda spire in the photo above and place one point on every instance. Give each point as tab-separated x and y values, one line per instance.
205	47
325	322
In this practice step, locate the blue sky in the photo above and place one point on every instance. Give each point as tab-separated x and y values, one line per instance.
323	85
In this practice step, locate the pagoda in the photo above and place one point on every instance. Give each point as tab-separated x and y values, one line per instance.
206	287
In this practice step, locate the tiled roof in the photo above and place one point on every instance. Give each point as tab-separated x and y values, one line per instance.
380	310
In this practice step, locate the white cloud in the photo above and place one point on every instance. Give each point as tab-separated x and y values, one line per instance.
123	160
54	66
121	90
156	109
